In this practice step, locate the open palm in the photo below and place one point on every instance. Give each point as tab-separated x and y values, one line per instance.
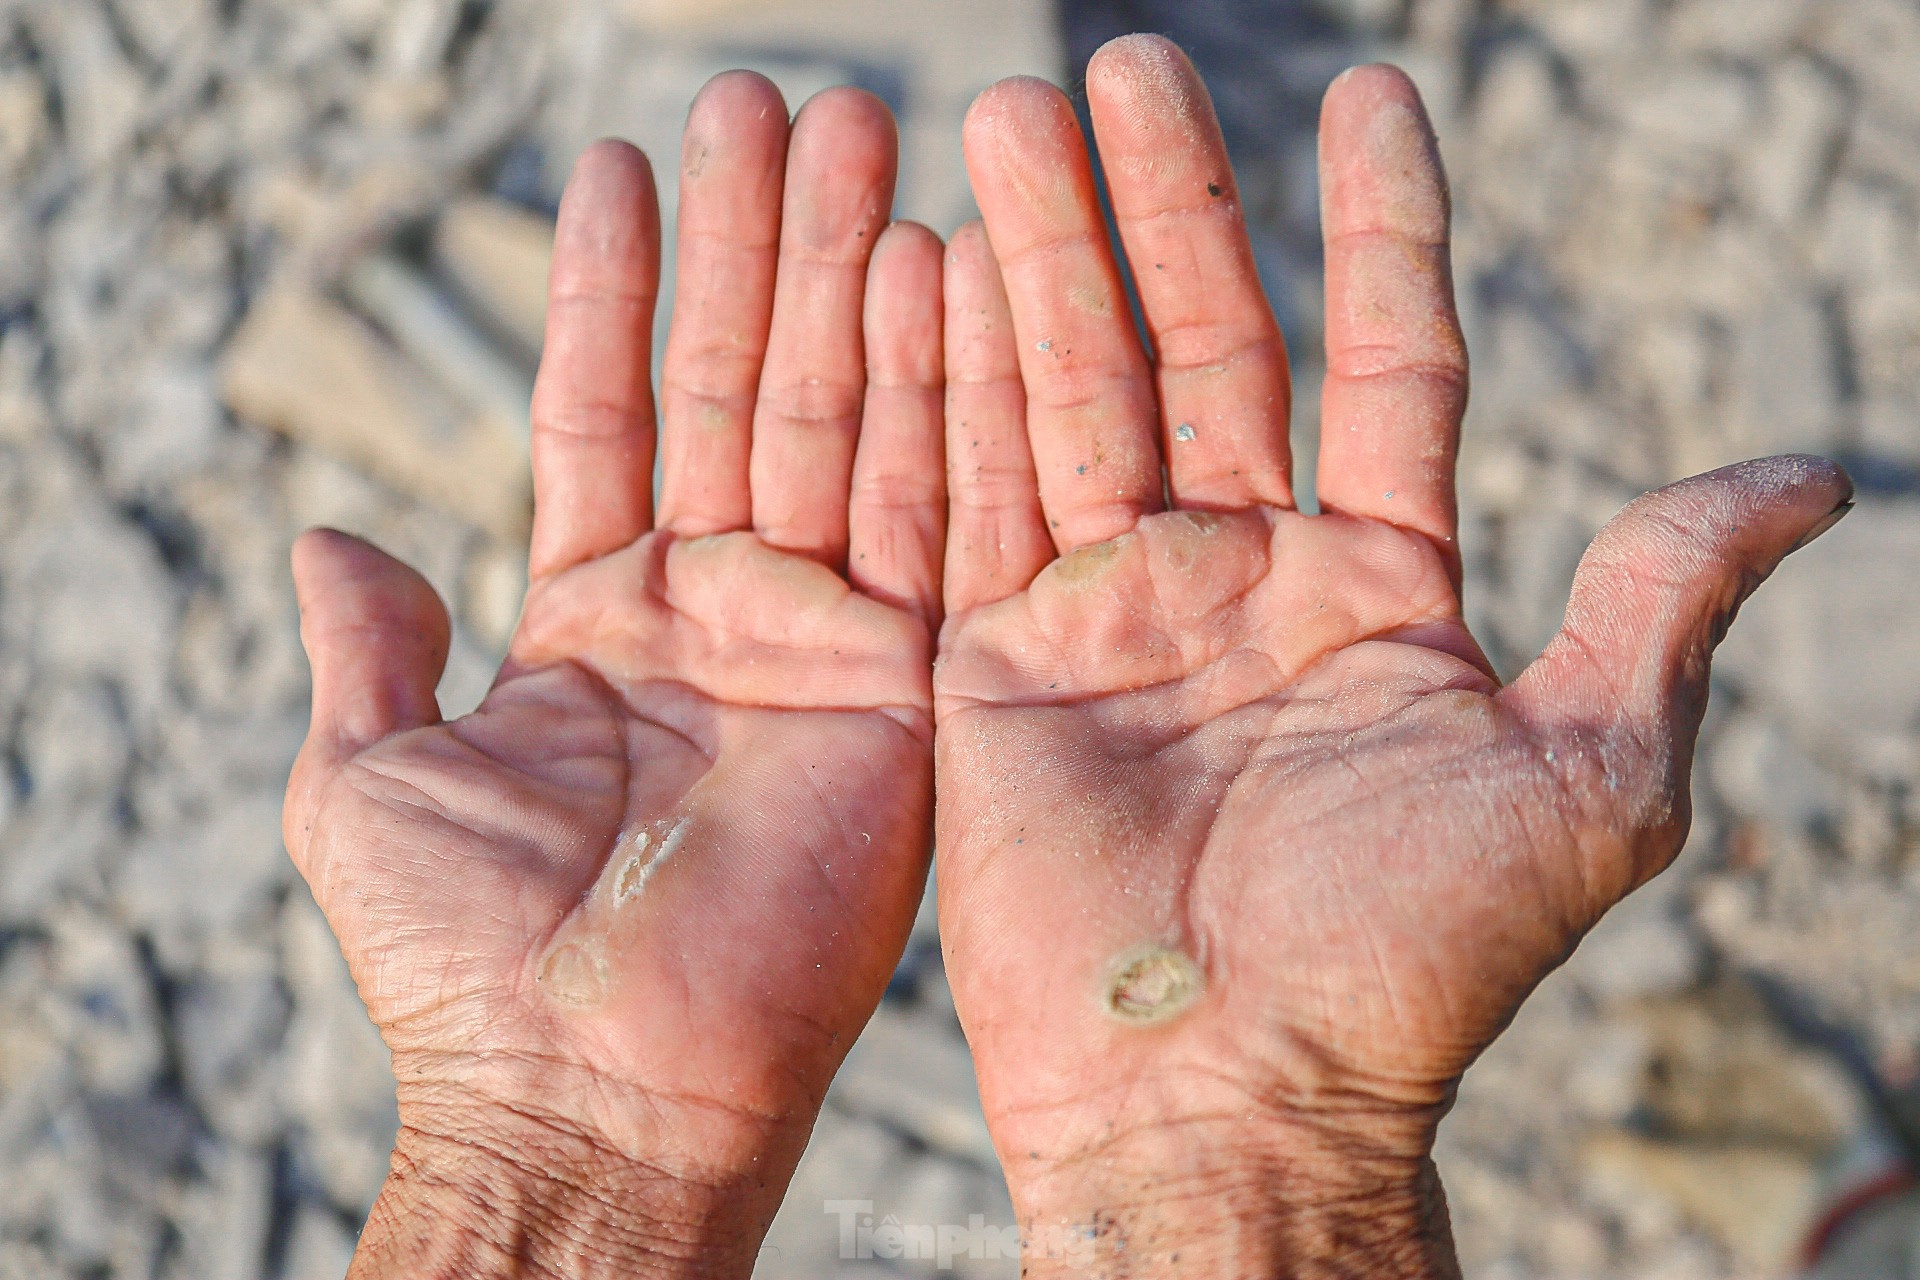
620	925
1244	853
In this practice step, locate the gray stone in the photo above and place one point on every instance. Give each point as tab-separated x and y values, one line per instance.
1590	27
1787	377
100	90
191	888
850	1158
176	429
74	754
24	120
1867	234
1792	158
1884	324
1763	774
224	1222
1875	40
1834	639
1608	1081
163	28
913	1071
318	1247
103	1005
230	1022
1697	108
74	744
335	1073
23	1261
1739	28
103	605
1543	545
1890	429
471	670
1640	949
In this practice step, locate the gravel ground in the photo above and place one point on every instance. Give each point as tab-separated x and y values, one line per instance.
1687	235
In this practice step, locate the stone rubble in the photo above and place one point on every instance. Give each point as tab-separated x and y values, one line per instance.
1689	232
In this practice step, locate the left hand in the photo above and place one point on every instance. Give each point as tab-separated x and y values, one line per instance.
1245	855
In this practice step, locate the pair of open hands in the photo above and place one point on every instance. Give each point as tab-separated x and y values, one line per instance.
1244	852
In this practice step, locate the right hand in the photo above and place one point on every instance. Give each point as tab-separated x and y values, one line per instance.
1245	854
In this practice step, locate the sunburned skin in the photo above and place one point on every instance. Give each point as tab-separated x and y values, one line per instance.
574	970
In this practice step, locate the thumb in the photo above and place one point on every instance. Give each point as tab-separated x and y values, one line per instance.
1625	681
376	635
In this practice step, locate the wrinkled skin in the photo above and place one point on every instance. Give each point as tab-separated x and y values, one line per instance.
620	925
1244	853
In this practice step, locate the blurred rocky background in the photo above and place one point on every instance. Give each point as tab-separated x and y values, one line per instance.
271	263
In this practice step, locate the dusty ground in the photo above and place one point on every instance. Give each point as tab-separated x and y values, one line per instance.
1688	235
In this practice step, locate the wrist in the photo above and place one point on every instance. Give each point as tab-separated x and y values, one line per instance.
1238	1197
479	1194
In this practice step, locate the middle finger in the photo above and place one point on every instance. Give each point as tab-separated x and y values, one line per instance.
1091	411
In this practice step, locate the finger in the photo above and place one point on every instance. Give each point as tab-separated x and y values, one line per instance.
1091	413
732	172
376	635
997	539
1219	359
1626	678
897	515
593	405
839	195
1396	362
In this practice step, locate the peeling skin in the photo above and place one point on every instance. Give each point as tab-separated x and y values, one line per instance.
639	867
574	970
1151	984
1186	533
576	973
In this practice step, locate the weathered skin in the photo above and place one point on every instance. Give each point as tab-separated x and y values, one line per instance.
1245	854
1260	740
620	925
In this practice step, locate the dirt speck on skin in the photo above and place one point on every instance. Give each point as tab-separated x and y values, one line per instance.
1151	984
1088	563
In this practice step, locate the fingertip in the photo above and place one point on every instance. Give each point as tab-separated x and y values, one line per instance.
967	237
1773	499
609	212
1144	75
377	635
1822	481
1372	85
324	558
611	170
732	96
1380	159
969	251
913	240
906	272
316	549
1137	51
1005	113
344	579
845	107
903	307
